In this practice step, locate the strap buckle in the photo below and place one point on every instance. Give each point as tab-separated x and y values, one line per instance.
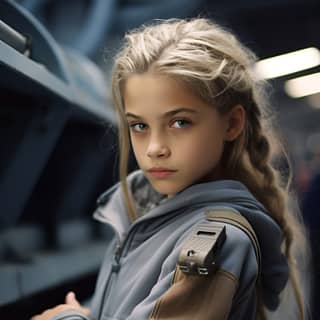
199	252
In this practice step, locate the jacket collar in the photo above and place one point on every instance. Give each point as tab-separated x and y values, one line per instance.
111	208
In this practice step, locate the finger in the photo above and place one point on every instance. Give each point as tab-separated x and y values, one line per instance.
72	300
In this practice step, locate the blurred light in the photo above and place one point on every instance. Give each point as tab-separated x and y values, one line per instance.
303	86
287	63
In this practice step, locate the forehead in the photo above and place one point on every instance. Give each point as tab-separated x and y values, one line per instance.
156	93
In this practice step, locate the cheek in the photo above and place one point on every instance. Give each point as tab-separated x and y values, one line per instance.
137	147
205	149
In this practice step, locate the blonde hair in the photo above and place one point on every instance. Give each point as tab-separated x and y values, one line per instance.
218	68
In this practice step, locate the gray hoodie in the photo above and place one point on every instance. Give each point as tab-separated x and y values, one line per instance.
139	278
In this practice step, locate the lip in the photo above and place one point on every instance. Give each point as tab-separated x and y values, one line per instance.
161	172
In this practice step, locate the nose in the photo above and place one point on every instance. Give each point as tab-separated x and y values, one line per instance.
157	148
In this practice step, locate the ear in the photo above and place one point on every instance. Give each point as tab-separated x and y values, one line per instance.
236	121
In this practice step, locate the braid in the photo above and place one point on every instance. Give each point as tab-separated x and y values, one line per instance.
268	189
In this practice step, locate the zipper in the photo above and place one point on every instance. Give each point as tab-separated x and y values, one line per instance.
115	267
236	219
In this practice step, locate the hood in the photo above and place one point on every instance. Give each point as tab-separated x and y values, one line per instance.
222	193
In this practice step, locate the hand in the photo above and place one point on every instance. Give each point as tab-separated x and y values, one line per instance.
71	303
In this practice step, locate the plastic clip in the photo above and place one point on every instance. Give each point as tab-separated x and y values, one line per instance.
199	252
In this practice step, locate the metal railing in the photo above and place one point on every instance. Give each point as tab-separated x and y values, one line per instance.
15	39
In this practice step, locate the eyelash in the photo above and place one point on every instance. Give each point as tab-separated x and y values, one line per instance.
134	125
186	124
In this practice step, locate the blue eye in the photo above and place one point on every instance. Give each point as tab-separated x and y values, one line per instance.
138	127
181	123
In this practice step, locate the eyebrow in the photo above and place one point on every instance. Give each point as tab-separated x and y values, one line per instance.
166	114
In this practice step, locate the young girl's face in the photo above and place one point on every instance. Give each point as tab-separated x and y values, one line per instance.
177	138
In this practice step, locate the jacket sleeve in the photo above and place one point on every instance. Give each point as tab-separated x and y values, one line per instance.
179	296
70	315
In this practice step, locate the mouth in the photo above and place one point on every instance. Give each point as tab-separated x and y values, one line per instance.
161	172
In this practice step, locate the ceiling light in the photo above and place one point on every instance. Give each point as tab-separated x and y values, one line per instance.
287	63
303	86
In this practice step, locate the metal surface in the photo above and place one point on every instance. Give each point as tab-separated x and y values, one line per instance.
14	39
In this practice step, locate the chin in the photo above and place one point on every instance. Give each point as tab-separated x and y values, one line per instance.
166	188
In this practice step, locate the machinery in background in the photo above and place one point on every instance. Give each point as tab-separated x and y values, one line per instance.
58	150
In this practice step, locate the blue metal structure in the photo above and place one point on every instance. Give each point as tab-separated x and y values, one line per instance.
57	155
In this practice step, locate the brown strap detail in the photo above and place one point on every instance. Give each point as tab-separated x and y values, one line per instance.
230	214
192	297
234	217
204	298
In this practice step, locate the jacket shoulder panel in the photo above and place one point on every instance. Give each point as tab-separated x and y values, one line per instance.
238	254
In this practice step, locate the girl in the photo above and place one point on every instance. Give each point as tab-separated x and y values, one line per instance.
203	229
